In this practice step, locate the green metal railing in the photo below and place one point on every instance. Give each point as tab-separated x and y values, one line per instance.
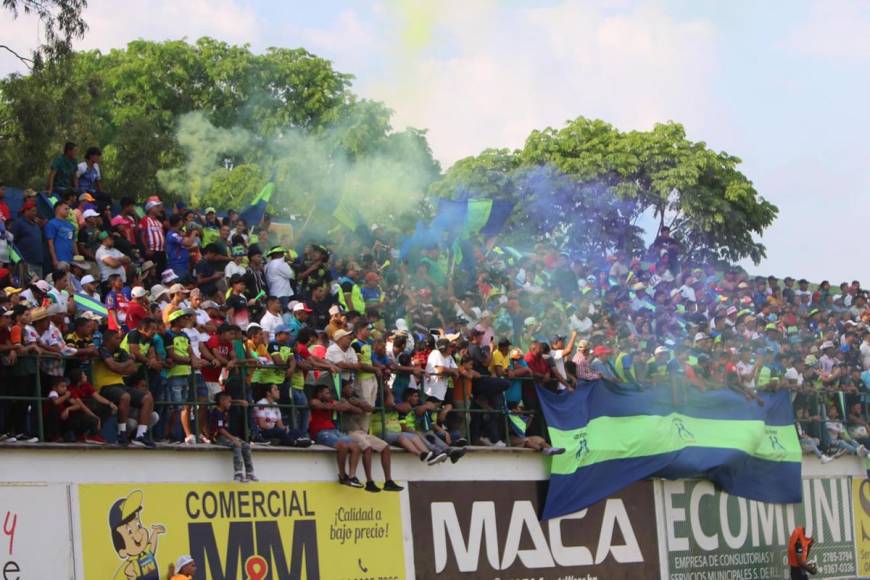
816	399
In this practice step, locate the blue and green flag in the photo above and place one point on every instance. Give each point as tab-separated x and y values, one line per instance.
614	438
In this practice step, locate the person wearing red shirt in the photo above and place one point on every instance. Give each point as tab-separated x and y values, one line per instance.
4	209
218	351
137	308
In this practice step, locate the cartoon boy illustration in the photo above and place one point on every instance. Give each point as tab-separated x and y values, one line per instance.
132	541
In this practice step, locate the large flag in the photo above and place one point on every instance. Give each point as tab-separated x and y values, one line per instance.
458	218
613	438
253	214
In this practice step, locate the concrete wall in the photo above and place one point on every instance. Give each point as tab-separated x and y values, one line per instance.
59	514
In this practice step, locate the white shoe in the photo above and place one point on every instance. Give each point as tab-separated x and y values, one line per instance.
826	459
190	439
862	452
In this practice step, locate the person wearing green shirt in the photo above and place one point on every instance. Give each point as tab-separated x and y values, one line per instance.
181	373
63	169
365	386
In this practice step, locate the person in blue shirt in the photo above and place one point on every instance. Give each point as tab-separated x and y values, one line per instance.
28	237
60	236
177	247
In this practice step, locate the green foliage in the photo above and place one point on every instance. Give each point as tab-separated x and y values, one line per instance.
129	102
587	185
235	188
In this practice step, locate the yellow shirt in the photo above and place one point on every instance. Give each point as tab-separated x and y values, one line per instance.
499	360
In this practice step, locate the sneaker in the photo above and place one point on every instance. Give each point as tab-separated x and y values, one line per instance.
553	451
303	442
343	480
354	482
391	485
499	444
252	477
123	440
4	436
190	439
426	456
461	442
143	441
440	458
204	439
239	477
839	453
372	487
456	454
483	442
862	452
95	439
826	459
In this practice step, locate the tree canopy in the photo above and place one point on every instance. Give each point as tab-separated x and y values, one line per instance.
172	117
587	184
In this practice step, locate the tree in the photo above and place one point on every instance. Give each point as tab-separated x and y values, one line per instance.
62	22
588	184
130	101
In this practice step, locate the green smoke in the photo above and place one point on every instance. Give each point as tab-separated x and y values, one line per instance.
355	172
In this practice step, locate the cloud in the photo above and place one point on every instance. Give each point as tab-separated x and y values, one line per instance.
509	72
114	23
833	29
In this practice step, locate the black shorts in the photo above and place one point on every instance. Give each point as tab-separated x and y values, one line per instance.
115	392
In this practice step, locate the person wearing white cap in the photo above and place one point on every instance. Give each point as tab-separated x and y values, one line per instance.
337	321
183	569
177	294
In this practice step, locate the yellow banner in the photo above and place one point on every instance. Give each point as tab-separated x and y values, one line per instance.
861	509
241	531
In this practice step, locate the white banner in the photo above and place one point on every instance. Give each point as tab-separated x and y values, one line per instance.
35	532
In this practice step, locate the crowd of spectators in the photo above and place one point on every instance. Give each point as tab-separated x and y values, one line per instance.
146	324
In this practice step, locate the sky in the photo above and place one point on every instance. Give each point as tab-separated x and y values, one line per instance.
781	84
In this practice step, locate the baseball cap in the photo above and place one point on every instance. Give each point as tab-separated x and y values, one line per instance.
209	210
339	334
43	285
334	309
700	336
252	325
89	213
826	344
103	235
152	204
661	350
282	328
124	510
277	250
138	292
175	315
176	288
86	197
300	307
182	562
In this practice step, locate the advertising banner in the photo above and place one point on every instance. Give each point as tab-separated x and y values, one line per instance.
255	531
492	529
861	509
35	524
709	534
